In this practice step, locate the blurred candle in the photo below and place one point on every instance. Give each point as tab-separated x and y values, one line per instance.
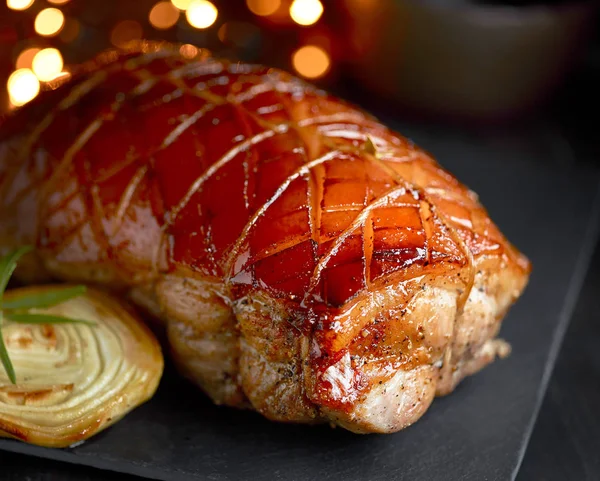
22	86
263	8
58	2
201	14
163	15
311	61
306	12
47	64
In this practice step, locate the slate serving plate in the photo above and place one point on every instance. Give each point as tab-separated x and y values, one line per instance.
548	208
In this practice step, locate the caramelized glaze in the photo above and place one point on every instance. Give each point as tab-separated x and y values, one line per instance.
151	165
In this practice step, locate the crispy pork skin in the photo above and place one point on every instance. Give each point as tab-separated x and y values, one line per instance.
304	260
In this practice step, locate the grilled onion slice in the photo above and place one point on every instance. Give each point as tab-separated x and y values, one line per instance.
74	380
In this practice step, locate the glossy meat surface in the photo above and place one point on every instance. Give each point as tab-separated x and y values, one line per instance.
305	260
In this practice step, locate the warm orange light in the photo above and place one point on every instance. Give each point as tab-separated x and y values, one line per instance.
26	57
22	86
306	12
311	61
181	4
58	2
188	50
263	7
163	15
47	64
125	32
19	4
49	22
201	14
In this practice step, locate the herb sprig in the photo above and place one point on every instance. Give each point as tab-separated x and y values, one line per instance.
16	309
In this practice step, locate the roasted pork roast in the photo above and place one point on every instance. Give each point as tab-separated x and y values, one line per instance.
305	261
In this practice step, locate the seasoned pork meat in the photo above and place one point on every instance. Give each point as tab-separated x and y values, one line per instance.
304	260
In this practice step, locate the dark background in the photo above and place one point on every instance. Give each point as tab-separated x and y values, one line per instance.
566	438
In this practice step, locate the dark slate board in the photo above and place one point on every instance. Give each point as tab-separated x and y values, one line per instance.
566	441
548	208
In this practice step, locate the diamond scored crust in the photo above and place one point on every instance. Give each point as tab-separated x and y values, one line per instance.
233	173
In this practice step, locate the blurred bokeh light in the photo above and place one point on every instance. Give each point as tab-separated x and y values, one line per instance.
365	42
47	64
19	4
311	61
25	58
263	8
163	15
306	12
188	50
181	4
49	22
22	86
201	14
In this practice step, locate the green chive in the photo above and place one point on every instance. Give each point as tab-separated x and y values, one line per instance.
28	318
5	358
44	299
8	265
